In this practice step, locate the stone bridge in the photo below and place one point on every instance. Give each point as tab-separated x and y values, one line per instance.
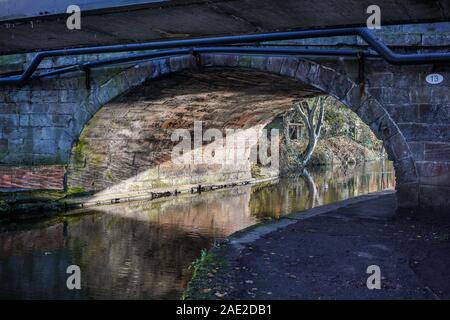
60	122
59	134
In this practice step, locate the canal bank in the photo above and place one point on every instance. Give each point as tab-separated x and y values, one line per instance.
325	252
35	204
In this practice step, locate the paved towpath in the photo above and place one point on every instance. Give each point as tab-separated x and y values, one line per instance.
324	253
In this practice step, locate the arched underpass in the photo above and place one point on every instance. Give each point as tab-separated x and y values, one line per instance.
126	146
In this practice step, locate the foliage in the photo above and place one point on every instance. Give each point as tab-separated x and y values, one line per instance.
345	137
197	263
200	267
340	121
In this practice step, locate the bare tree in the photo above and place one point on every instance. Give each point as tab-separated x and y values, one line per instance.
306	109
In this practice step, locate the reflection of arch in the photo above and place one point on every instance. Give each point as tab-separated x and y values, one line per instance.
313	74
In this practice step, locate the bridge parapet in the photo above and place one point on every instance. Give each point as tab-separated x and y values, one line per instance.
407	38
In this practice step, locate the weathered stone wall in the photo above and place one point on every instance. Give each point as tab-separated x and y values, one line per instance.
41	121
127	145
422	114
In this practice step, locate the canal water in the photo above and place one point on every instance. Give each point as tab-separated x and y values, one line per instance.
143	250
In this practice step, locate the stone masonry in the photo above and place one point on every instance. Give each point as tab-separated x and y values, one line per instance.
127	145
42	122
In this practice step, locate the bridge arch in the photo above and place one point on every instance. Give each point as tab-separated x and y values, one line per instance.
320	78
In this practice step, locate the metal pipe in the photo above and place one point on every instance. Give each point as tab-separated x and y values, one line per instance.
223	50
398	58
174	44
379	47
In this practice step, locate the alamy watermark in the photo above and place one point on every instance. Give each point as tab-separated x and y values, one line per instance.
233	147
73	22
74	280
374	20
374	280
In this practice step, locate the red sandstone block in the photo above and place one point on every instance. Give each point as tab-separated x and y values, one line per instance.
48	177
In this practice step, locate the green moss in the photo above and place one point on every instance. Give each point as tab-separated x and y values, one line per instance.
209	261
78	154
82	151
256	172
75	190
108	175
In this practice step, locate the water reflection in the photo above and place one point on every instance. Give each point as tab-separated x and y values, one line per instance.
142	250
321	186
